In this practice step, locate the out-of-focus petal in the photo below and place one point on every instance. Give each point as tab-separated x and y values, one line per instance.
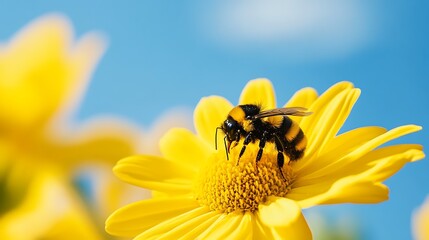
50	210
84	56
420	221
101	140
39	72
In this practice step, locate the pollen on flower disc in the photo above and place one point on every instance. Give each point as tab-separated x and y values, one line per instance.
226	186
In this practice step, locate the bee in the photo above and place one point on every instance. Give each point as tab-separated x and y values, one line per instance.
249	122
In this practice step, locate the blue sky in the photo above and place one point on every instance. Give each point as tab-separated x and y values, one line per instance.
162	56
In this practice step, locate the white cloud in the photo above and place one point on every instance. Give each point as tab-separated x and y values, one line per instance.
313	28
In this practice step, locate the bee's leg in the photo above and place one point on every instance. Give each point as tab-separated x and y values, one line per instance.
261	145
225	139
280	162
246	141
280	156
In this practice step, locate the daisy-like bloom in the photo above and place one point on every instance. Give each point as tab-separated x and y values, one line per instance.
43	73
420	221
203	195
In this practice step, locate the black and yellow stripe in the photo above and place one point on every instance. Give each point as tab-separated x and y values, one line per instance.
294	139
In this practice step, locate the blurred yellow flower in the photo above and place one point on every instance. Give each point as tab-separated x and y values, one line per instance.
43	73
420	222
51	210
202	195
42	77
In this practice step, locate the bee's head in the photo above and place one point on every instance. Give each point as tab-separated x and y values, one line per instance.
231	127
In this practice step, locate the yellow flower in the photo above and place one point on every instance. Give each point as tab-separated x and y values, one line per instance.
51	210
202	195
420	222
43	73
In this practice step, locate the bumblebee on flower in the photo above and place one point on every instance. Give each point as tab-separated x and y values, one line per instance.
206	194
249	122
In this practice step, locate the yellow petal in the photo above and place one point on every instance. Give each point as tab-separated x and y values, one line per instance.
182	146
397	155
380	153
360	165
84	56
420	221
273	212
260	92
348	141
386	167
100	140
261	230
178	117
337	163
322	110
201	225
284	218
347	190
49	211
231	226
191	229
328	123
25	63
318	107
158	231
363	187
209	114
140	216
155	173
339	147
38	73
302	98
390	135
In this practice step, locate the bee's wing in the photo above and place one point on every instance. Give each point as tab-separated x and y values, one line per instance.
293	111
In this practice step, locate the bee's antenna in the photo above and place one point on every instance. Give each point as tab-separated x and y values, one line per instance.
224	142
216	137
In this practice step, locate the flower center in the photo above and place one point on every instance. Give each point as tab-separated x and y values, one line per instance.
232	185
